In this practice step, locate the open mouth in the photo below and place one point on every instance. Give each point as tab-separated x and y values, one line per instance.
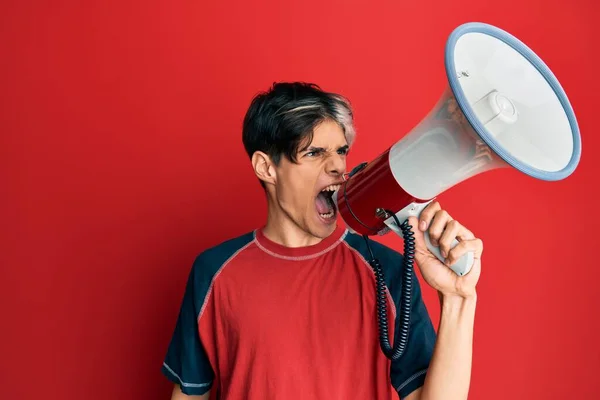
324	202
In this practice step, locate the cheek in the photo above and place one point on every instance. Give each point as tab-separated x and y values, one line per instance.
297	192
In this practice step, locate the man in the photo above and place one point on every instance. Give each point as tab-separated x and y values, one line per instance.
288	311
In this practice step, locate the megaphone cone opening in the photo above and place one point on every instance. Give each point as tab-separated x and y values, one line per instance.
535	129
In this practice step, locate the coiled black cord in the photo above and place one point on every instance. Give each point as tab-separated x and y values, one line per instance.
401	336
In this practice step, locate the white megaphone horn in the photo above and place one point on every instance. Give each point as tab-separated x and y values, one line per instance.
503	107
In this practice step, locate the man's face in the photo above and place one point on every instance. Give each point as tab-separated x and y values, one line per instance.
303	190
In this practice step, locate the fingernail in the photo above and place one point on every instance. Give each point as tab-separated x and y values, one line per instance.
423	225
444	254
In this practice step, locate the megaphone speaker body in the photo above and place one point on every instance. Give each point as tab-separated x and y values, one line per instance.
502	108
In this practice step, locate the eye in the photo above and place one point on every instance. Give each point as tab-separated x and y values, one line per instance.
313	153
343	152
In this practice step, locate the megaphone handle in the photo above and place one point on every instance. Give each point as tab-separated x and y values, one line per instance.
461	267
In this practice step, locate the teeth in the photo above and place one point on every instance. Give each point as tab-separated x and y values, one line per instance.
328	215
332	188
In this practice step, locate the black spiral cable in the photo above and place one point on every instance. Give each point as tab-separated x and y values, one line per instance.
401	336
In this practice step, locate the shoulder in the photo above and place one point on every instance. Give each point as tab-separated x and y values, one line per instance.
391	261
210	261
219	254
380	251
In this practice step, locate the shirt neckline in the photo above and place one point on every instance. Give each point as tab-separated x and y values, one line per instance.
300	253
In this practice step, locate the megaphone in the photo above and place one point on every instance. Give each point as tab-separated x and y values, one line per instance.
502	107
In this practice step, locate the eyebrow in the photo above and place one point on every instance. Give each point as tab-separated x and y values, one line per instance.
321	149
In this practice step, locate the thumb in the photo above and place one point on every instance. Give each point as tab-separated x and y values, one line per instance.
422	253
420	245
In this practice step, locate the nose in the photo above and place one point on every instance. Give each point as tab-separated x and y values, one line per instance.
336	165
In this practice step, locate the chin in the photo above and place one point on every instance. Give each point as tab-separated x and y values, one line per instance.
324	226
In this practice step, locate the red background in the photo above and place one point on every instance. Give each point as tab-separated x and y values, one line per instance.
122	159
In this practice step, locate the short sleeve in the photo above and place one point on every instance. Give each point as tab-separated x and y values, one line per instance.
409	371
186	362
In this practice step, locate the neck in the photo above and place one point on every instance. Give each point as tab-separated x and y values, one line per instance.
281	229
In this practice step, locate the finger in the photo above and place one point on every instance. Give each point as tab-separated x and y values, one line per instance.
451	230
471	245
427	215
438	225
464	234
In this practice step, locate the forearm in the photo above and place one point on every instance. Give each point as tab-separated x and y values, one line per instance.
449	373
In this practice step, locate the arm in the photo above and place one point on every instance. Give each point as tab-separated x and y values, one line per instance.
177	394
449	372
187	364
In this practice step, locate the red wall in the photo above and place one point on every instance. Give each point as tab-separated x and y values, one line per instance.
121	159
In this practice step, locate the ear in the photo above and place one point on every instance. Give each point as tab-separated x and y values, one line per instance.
264	167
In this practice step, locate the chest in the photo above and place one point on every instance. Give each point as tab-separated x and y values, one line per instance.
329	300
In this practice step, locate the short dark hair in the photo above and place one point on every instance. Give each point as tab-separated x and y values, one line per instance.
284	117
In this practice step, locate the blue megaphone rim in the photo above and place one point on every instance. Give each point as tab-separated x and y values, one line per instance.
543	69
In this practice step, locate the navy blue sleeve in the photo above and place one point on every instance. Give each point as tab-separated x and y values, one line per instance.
186	362
409	371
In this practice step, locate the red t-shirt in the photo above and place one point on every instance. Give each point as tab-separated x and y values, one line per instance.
261	321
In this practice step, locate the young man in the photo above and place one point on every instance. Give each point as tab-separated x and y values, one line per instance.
288	311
